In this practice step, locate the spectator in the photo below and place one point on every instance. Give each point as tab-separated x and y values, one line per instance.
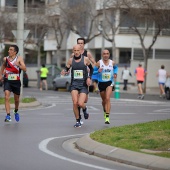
125	76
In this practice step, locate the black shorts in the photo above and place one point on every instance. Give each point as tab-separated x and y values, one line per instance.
43	78
80	89
139	82
12	86
103	85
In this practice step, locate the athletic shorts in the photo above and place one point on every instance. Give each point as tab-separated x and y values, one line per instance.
80	89
162	83
12	86
43	78
139	82
103	85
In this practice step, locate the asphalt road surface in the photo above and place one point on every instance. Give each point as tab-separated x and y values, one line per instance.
44	138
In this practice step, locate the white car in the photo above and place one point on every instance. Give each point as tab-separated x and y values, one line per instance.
62	82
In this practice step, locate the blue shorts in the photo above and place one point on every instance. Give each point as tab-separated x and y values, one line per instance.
162	83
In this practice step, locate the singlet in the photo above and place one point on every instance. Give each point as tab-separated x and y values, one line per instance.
85	53
79	73
44	72
140	74
107	72
162	76
12	72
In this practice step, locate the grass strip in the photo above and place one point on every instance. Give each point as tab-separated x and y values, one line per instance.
152	136
24	100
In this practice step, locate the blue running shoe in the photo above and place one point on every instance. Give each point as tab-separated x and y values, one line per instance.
8	118
77	125
16	116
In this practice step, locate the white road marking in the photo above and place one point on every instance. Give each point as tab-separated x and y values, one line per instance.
43	147
167	110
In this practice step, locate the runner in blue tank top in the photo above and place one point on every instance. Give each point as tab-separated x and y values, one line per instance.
107	71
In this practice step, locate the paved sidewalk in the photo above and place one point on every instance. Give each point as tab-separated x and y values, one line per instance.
86	144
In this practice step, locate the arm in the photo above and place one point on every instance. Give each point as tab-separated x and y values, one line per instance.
91	58
20	63
115	71
66	70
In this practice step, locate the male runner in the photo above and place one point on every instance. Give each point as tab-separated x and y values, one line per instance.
10	74
80	80
107	71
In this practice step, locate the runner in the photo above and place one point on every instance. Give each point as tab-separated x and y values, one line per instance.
80	80
10	72
107	71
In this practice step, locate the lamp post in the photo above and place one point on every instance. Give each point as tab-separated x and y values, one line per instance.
20	36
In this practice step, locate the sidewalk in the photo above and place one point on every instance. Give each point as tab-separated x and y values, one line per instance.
86	144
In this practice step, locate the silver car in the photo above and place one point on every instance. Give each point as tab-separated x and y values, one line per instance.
62	82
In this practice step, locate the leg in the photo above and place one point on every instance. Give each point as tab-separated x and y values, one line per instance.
40	84
7	102
16	98
45	84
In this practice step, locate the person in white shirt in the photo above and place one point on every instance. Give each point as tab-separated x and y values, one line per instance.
125	76
162	75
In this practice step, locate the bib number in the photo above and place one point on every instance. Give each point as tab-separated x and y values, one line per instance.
78	74
106	76
12	77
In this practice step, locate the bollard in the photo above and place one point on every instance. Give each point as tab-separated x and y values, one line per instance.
117	90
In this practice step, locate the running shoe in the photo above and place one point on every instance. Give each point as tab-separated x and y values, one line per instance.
77	125
8	118
86	115
107	121
81	122
142	96
16	116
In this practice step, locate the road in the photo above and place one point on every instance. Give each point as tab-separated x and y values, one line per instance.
44	138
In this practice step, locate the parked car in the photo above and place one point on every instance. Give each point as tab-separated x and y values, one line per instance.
25	80
64	82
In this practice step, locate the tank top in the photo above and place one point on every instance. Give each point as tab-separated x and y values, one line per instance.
140	73
162	76
85	53
107	72
79	72
12	72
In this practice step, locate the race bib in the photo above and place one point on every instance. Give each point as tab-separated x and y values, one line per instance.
12	77
78	74
106	76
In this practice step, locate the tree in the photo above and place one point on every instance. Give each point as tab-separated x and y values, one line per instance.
81	18
155	17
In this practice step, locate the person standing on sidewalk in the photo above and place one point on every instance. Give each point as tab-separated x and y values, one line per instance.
140	74
162	75
125	76
10	74
80	80
43	77
107	71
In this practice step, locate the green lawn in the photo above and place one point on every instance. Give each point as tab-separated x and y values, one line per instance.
24	100
153	136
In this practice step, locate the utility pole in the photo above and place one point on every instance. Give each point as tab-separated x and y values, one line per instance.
20	36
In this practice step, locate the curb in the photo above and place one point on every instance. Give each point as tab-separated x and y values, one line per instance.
86	144
22	105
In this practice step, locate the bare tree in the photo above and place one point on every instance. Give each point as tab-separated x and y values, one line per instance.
81	18
155	16
37	23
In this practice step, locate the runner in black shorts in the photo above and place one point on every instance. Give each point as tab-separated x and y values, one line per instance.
80	80
10	74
